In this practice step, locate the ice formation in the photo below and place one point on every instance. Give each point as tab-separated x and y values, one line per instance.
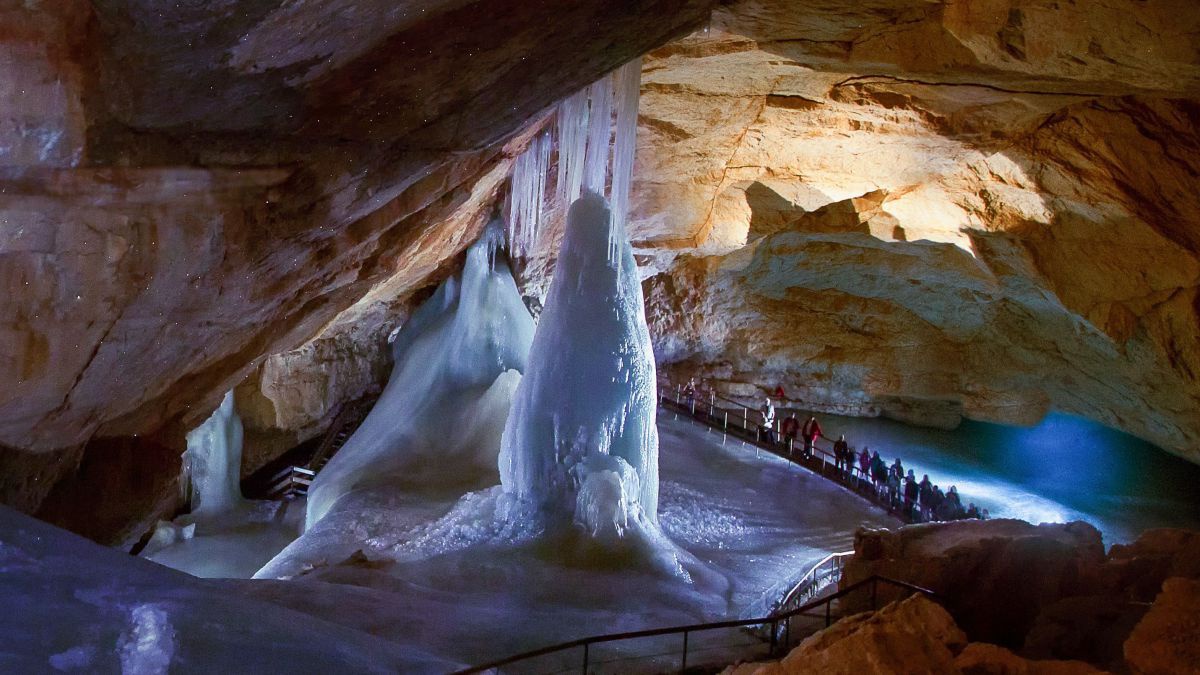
599	131
527	196
572	121
213	462
456	365
583	133
627	82
75	606
581	441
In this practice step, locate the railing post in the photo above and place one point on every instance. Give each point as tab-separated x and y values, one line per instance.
874	585
827	605
726	421
774	628
585	658
683	661
787	633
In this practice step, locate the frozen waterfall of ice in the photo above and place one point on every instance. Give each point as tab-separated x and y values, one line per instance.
213	461
457	363
581	442
225	535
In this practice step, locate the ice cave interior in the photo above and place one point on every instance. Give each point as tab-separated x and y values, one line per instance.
414	336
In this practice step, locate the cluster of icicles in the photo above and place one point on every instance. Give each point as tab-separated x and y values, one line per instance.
581	133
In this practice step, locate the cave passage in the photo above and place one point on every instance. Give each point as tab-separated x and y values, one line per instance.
1065	468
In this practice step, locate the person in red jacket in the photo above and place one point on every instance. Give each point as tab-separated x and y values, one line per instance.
790	430
810	432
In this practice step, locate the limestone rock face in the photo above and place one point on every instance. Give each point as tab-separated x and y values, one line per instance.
1168	639
932	211
910	636
995	576
1048	591
184	193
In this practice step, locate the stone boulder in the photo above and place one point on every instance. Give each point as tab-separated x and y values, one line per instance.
1168	639
994	576
980	658
915	635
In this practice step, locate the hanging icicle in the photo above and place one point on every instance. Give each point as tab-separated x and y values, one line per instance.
526	200
584	133
595	171
627	83
572	122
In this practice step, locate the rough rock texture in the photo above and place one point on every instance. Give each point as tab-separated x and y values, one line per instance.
910	636
184	193
995	575
1168	639
981	658
932	210
1048	591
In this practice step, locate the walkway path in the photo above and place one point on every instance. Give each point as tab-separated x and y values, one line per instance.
742	423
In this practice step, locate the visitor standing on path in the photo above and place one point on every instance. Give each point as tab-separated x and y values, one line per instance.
926	496
842	455
768	425
812	429
791	429
911	491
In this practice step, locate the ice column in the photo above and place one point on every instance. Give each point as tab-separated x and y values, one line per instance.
581	441
213	461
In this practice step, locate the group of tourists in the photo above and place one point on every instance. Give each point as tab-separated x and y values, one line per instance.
919	501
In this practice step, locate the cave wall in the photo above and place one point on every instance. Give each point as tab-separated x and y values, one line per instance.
908	207
187	192
932	215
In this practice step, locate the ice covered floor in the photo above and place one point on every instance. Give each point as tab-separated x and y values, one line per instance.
73	606
1064	469
235	544
756	523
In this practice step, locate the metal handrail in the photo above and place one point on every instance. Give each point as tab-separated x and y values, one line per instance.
719	418
774	620
809	579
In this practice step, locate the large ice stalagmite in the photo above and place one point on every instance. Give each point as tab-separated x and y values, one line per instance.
213	462
457	362
581	441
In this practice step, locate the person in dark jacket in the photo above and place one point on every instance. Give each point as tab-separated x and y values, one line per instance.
910	494
893	489
842	455
790	430
926	496
864	463
939	503
956	510
878	472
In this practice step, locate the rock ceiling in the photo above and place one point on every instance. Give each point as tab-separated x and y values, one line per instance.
924	209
